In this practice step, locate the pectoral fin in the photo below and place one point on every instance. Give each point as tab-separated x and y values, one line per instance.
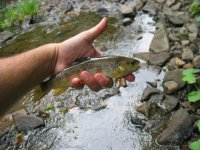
59	91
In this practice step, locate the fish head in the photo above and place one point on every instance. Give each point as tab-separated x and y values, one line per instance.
126	65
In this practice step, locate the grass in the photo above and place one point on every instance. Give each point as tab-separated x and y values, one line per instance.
10	15
195	10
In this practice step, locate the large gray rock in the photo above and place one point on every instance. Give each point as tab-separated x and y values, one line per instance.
25	123
149	91
175	76
178	129
159	59
178	18
160	42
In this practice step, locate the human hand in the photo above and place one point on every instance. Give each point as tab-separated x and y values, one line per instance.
81	46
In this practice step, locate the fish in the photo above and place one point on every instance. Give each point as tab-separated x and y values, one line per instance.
115	67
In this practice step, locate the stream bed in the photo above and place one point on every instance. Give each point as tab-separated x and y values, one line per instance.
103	119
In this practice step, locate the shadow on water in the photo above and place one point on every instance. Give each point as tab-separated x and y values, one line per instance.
103	123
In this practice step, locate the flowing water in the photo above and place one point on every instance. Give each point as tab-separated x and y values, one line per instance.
102	120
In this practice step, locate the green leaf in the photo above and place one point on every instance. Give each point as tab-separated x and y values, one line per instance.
64	111
190	79
194	96
195	145
50	108
190	71
198	125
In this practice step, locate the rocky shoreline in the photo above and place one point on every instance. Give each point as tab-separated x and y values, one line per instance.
174	47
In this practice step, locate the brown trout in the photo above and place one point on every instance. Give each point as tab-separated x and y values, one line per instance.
111	66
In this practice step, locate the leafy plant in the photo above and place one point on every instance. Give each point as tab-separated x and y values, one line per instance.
29	7
195	9
190	77
11	14
50	108
195	145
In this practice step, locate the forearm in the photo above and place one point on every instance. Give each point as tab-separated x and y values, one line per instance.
20	73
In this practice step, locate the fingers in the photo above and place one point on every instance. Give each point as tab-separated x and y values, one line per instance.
77	83
90	81
96	82
97	30
130	77
103	81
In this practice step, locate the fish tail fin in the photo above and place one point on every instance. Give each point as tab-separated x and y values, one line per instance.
40	91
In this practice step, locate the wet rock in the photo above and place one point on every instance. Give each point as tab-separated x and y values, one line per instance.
159	58
160	42
187	54
127	21
169	3
156	98
137	121
5	36
144	56
170	102
151	7
178	18
127	10
152	84
152	125
178	129
175	76
148	109
196	62
170	87
25	123
148	92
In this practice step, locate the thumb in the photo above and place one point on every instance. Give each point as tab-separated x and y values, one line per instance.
96	31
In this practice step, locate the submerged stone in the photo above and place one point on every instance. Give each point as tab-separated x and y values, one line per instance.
25	123
148	91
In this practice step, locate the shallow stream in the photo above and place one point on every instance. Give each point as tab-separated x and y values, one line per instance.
102	120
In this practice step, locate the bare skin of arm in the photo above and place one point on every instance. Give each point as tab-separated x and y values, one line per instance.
21	73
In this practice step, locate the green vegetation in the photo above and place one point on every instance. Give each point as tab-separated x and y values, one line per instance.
195	9
50	108
190	77
11	15
195	145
